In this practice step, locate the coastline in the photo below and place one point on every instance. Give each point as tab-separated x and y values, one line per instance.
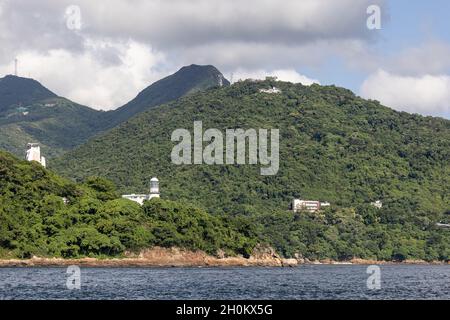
175	257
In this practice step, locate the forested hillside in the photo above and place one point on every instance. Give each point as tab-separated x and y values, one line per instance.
30	112
44	215
16	90
334	146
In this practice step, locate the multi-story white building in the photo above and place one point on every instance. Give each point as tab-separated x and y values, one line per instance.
34	154
140	198
308	205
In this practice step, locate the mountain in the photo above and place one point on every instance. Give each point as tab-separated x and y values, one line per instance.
30	112
187	80
334	146
17	91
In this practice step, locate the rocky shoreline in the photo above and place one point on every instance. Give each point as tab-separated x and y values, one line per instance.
175	257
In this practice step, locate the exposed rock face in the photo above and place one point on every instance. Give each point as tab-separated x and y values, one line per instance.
179	257
176	257
289	262
162	257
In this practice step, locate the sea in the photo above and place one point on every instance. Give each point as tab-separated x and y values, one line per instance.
305	282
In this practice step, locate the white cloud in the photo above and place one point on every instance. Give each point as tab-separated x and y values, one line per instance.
180	23
232	55
431	57
88	79
124	45
92	65
427	94
283	75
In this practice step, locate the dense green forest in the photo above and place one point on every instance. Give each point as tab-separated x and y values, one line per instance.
334	146
30	112
94	221
34	220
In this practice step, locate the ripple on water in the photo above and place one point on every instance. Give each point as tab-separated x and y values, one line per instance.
303	282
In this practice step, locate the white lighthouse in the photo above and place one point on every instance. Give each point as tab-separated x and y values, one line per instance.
154	188
34	153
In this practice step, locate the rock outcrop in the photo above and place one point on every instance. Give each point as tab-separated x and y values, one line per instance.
176	257
162	257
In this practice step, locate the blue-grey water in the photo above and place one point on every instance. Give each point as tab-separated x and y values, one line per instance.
303	282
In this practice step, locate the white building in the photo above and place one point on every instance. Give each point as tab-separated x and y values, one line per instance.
272	90
34	154
325	204
377	204
299	205
308	205
140	198
442	225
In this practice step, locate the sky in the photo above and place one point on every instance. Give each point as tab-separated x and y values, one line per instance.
102	53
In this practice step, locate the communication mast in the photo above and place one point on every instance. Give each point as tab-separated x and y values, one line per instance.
16	62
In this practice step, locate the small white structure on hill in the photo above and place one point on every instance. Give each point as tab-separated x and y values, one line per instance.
308	205
140	198
272	90
377	204
443	225
34	154
325	204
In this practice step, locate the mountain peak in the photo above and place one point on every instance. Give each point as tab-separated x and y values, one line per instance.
187	80
15	90
12	79
198	66
206	71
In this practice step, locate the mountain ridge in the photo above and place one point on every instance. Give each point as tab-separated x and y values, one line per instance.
29	112
17	90
187	80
